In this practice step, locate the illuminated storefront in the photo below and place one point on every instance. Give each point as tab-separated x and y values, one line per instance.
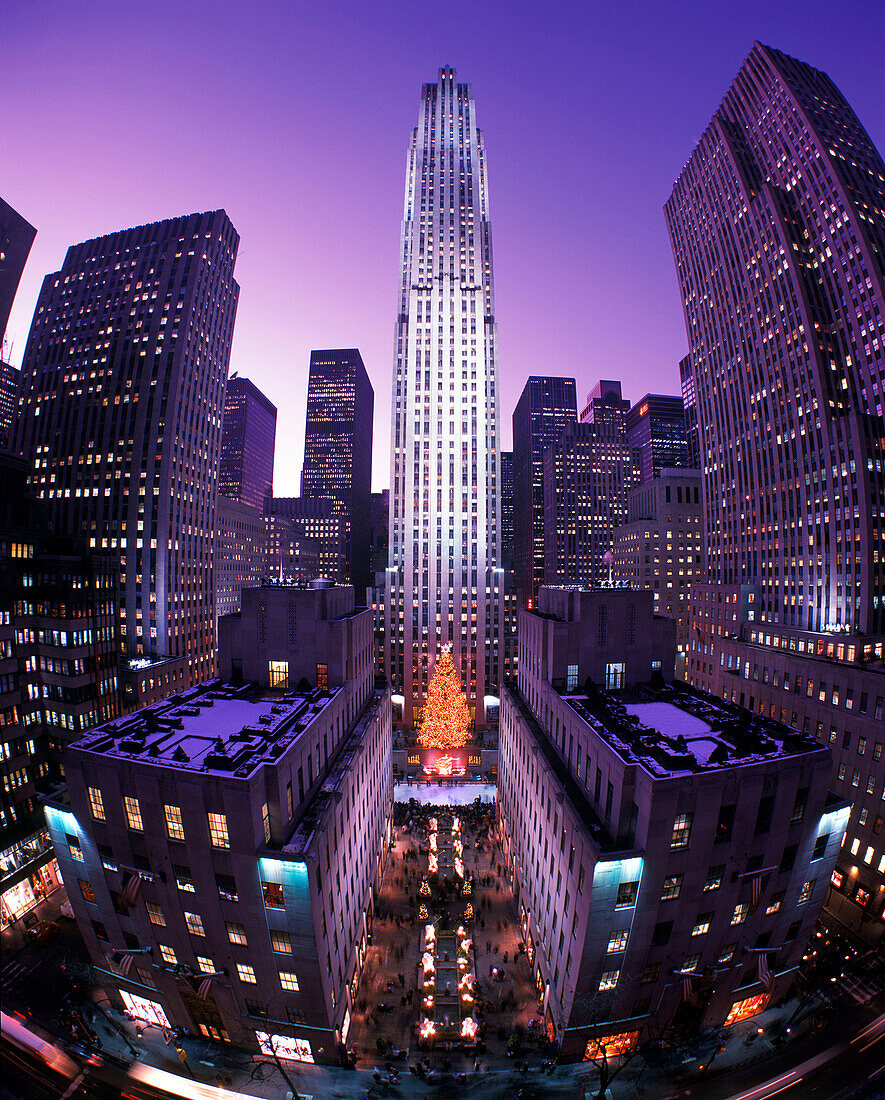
28	884
611	1046
743	1010
284	1046
140	1008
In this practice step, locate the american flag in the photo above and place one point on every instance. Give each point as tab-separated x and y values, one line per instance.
688	994
757	890
205	988
125	964
129	893
764	974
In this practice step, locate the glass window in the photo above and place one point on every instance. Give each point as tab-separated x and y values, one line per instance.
246	974
265	820
174	826
236	932
155	914
168	955
690	963
626	894
681	831
96	804
741	912
672	887
205	964
774	903
727	953
617	941
281	941
702	924
183	878
273	895
218	831
86	890
194	924
805	892
289	980
714	878
608	980
650	973
133	813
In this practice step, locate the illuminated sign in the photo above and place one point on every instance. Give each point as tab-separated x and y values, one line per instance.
284	1046
743	1010
643	409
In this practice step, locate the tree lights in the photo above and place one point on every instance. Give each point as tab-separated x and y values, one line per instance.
446	722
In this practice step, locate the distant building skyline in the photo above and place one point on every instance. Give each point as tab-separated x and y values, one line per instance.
16	237
248	439
121	408
656	428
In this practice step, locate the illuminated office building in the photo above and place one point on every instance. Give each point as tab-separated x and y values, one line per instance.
122	394
338	455
248	434
444	579
655	426
545	407
778	237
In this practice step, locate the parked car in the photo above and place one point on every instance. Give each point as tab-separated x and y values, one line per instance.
42	931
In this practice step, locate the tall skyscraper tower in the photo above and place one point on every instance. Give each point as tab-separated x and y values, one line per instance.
778	235
656	427
338	454
545	408
248	435
444	583
122	396
16	238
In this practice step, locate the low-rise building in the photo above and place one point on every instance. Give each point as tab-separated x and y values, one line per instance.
222	848
669	851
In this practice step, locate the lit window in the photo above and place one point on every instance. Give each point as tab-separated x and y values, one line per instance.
265	820
289	980
74	847
617	941
626	895
236	932
805	892
702	924
775	902
133	813
281	942
672	887
868	855
155	914
681	831
218	831
608	980
273	895
174	826
741	912
205	964
727	953
96	804
86	890
194	924
168	955
690	963
246	974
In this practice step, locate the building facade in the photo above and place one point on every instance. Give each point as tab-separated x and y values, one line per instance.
338	454
655	427
659	547
669	852
787	363
305	539
58	676
444	580
545	407
222	848
241	552
10	383
588	472
690	409
16	238
248	436
122	395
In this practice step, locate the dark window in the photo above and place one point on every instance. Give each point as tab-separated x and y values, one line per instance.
724	824
793	930
799	804
820	845
650	973
626	894
227	887
256	1008
141	863
789	857
99	929
763	817
86	890
662	933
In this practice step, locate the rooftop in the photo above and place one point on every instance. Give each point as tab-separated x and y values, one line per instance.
677	730
212	728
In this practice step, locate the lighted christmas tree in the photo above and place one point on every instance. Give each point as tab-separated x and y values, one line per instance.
446	721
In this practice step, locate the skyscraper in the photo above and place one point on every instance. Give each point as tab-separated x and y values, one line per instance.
690	411
248	434
338	453
16	238
505	487
122	396
10	381
545	407
656	427
784	193
444	584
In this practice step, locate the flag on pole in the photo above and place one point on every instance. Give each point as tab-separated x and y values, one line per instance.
205	987
130	892
757	890
125	964
688	993
764	974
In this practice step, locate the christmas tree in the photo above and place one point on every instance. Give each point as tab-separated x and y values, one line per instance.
446	722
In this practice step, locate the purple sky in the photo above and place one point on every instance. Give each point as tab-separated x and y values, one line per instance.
295	117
